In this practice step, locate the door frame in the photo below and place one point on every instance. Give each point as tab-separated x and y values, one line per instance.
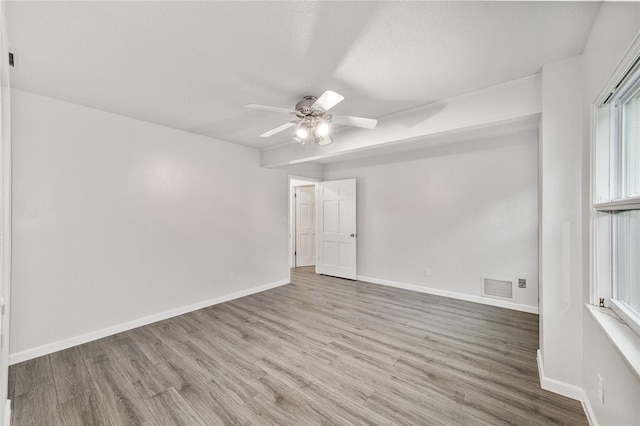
295	180
295	230
5	220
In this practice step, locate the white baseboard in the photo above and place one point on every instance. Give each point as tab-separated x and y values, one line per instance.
566	389
7	413
553	385
452	294
98	334
586	405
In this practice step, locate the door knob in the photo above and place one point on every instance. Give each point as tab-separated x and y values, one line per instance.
352	235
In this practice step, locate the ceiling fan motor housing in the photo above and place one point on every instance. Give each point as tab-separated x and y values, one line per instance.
309	115
305	104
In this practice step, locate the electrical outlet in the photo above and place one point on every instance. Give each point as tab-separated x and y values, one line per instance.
522	283
232	277
600	389
427	272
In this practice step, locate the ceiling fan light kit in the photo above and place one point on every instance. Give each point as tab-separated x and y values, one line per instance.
313	121
302	130
322	128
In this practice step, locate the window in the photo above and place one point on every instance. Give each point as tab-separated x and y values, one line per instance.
628	264
630	145
616	197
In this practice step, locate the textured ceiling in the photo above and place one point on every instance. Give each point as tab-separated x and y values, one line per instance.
194	65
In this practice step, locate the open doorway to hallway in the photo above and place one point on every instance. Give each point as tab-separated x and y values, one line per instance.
304	240
302	222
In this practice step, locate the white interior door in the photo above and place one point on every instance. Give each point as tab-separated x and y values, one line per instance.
305	251
337	228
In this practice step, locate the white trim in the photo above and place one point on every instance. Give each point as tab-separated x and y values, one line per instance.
98	334
566	389
631	203
553	385
7	413
452	294
628	316
7	217
588	411
593	266
621	68
311	180
622	337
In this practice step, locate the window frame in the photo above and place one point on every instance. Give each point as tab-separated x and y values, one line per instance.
627	91
625	312
610	195
618	330
609	166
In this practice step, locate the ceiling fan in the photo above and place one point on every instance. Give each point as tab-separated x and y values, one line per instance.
312	122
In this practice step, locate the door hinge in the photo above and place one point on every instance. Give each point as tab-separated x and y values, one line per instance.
295	253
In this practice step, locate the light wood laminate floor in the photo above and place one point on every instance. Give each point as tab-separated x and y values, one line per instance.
318	351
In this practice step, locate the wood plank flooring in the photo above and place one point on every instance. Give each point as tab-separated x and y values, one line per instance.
318	351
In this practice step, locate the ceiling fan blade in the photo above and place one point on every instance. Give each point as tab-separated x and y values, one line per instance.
325	140
278	129
366	123
327	101
270	108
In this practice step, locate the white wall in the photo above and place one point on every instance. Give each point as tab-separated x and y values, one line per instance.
464	210
613	31
117	219
561	225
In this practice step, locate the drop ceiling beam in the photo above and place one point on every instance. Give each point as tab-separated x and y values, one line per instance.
519	100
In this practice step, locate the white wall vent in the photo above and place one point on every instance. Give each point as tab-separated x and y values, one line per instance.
497	289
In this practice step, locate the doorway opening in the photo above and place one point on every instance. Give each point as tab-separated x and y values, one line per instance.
304	240
302	221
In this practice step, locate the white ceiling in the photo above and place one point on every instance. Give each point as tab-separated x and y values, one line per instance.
194	65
